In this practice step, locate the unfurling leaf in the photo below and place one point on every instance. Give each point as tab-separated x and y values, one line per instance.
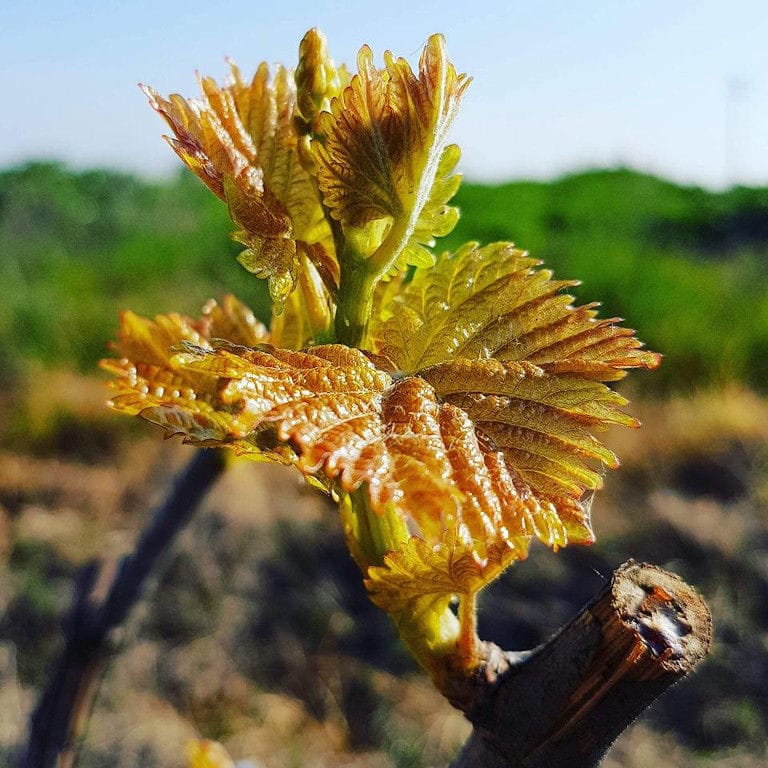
383	156
146	348
241	141
423	569
233	321
305	315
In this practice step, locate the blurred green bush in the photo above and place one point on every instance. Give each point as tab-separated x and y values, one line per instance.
685	266
76	247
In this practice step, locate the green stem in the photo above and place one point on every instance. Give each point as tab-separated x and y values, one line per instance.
427	626
355	301
432	633
371	534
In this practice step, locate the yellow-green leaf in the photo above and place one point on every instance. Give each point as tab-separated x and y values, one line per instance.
421	568
436	218
494	302
383	153
537	419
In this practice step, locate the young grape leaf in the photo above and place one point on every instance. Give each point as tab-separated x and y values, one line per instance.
240	140
477	456
493	302
384	156
147	370
422	569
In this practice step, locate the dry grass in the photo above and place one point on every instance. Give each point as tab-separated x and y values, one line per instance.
259	633
703	422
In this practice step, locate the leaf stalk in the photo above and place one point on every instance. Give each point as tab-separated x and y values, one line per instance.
355	302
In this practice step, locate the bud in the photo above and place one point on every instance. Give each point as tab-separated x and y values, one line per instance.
317	79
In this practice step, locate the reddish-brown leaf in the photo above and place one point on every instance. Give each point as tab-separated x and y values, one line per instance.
411	444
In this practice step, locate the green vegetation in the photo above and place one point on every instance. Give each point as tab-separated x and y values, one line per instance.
687	266
78	246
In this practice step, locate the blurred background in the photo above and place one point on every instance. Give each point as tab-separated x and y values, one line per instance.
625	144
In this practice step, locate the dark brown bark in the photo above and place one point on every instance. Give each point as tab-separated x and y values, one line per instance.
564	704
102	602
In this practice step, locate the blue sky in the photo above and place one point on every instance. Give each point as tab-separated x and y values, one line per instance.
675	88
